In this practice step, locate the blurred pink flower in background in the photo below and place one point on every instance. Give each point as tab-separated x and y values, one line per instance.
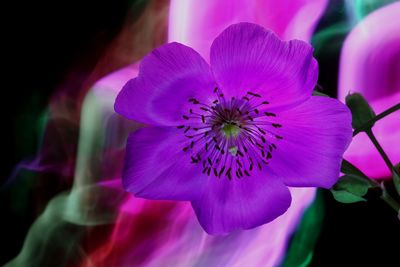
163	233
197	23
370	64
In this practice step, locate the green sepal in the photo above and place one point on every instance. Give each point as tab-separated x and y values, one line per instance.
361	111
351	189
318	93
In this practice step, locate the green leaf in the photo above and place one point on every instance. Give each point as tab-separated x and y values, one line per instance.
396	178
346	197
360	110
348	168
350	189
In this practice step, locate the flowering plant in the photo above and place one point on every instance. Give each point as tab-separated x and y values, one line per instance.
232	136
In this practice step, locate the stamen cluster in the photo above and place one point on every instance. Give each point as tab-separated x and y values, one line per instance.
230	137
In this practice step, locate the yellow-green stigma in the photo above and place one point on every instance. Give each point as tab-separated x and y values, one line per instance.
230	130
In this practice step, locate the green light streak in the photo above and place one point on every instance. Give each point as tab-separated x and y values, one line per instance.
54	238
330	39
301	249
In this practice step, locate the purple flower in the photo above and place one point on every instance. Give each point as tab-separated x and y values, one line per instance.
232	136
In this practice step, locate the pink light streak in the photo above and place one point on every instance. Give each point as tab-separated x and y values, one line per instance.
370	64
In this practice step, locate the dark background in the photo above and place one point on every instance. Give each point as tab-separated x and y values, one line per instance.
45	41
50	46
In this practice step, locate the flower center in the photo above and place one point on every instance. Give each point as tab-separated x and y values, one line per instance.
230	137
230	129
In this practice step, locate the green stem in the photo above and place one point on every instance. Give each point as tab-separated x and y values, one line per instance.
389	200
380	149
366	126
385	195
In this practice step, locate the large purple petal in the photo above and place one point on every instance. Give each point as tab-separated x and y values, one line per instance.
246	57
229	205
168	78
157	168
315	135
